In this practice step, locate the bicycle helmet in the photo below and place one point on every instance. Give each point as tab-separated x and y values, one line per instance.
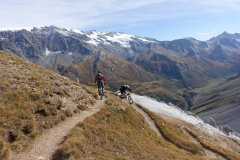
127	86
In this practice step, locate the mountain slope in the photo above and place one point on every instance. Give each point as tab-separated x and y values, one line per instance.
220	100
114	68
119	132
222	92
32	100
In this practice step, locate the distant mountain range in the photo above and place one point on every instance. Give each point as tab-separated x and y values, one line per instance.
176	59
171	71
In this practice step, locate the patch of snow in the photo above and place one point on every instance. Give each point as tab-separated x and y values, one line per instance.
97	37
70	53
123	39
92	41
145	40
94	37
49	52
63	32
233	136
173	111
106	42
77	31
2	38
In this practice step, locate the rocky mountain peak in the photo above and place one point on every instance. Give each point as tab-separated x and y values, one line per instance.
227	35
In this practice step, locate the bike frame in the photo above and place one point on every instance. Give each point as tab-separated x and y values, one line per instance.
129	98
100	91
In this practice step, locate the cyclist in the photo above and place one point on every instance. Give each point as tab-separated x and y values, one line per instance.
123	89
100	80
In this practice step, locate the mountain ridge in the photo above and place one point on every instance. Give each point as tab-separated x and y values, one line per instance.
38	28
48	45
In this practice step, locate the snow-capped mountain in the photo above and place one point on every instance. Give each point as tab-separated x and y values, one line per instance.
60	40
184	59
37	43
55	48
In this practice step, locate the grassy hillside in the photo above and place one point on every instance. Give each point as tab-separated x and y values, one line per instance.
119	132
33	99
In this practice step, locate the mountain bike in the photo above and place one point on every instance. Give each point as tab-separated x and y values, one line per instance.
125	96
100	93
129	98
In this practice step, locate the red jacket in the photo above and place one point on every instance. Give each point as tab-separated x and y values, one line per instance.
96	78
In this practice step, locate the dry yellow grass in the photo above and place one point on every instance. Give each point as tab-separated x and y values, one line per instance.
215	148
33	99
174	134
118	132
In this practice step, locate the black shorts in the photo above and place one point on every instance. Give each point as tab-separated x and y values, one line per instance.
100	83
122	90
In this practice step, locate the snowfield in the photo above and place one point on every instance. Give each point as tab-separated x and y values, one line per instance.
173	111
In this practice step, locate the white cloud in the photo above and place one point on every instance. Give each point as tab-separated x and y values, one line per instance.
206	33
82	14
67	13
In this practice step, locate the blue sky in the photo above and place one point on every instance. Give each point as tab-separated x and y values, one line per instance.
159	19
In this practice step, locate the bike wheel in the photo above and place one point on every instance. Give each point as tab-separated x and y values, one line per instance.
101	93
130	100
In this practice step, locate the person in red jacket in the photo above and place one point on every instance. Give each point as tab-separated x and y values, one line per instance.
100	80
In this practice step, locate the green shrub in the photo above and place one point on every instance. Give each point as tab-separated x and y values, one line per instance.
82	107
35	96
17	146
63	117
29	127
68	113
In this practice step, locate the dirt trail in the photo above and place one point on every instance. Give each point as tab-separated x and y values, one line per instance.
45	146
148	120
208	153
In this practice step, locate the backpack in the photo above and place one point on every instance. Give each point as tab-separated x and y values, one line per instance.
99	76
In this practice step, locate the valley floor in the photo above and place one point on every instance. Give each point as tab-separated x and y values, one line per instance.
227	115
